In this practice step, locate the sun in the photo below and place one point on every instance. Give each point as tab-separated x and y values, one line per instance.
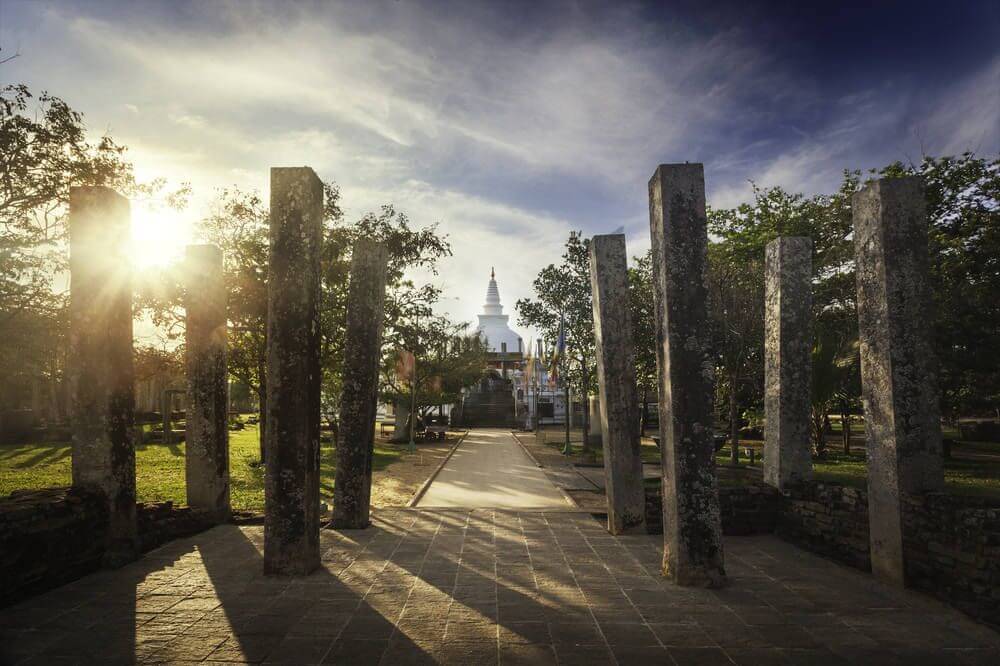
159	235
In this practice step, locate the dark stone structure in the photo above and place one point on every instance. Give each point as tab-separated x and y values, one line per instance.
291	479
100	364
744	510
898	370
362	352
618	414
692	538
52	536
488	404
787	360
207	417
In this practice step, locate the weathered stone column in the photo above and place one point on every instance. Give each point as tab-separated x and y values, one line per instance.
291	520
207	431
898	369
100	364
362	352
692	532
618	411
787	360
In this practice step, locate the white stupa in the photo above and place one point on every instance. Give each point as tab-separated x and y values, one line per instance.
493	323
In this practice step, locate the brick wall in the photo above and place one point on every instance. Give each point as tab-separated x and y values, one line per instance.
749	509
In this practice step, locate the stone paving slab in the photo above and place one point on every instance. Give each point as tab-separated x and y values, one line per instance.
491	470
483	587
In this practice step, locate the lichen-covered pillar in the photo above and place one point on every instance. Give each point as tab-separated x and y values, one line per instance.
898	368
787	360
207	431
100	363
359	397
618	412
291	488
692	531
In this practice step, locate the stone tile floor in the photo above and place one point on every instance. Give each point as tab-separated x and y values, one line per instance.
481	587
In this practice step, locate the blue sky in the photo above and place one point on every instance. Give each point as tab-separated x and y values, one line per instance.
512	123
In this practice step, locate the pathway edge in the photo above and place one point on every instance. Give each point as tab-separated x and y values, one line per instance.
422	490
566	496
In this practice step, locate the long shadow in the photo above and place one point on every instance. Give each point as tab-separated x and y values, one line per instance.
46	452
98	618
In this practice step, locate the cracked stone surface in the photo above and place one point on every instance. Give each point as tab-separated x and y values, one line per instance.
898	368
362	352
482	587
692	531
787	360
618	412
206	463
291	436
100	365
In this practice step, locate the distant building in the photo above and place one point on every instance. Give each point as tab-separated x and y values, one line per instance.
504	347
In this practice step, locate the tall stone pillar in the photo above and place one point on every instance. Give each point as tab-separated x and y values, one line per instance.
618	412
692	532
898	369
207	431
787	360
291	439
359	398
100	364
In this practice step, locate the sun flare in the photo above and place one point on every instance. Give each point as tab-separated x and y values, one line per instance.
159	235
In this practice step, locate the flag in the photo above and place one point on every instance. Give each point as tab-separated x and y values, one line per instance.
529	369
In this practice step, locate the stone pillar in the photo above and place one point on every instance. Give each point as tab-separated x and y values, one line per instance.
618	412
207	430
898	369
787	360
291	488
594	435
100	364
359	398
692	532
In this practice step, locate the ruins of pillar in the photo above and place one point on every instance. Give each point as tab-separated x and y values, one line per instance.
692	531
359	396
787	360
898	367
291	439
207	431
100	363
618	411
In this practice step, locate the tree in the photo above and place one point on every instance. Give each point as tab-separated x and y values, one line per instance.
447	359
736	313
640	282
45	151
563	295
239	224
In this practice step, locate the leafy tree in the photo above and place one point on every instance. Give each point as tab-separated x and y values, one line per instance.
563	294
448	358
239	225
640	281
45	151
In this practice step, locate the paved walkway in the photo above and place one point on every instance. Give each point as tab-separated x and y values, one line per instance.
490	470
481	588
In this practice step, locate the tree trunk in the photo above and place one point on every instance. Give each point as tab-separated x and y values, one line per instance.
818	432
261	418
734	422
400	431
644	418
845	427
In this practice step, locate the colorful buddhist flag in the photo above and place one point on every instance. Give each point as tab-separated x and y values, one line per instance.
405	364
557	353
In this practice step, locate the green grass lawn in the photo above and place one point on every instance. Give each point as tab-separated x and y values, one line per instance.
962	476
159	469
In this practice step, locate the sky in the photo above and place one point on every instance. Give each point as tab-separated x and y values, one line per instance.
509	124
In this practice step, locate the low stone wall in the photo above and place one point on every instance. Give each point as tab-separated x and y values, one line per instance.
749	509
51	536
952	551
829	519
47	538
